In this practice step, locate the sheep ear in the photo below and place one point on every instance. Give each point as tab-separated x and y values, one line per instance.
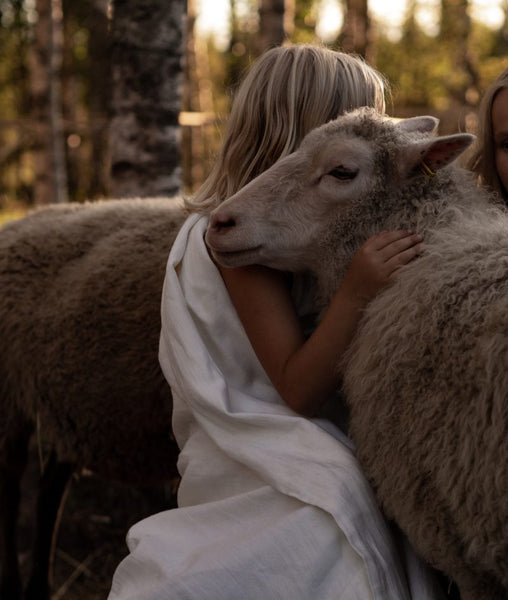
424	124
428	156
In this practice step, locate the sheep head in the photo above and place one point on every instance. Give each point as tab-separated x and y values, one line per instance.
348	179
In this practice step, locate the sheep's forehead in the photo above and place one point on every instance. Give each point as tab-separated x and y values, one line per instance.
349	151
356	139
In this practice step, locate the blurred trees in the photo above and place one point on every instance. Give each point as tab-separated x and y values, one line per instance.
454	36
114	69
272	30
444	72
89	103
87	38
356	35
16	173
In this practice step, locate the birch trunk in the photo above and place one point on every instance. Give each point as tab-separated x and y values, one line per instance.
45	63
147	71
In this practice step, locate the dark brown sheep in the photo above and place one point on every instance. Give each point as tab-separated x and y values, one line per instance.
80	288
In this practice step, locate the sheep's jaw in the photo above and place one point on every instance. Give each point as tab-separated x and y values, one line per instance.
256	255
235	258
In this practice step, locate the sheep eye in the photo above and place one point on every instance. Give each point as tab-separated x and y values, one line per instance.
342	173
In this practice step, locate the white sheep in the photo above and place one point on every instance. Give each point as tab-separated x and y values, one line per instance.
79	329
426	376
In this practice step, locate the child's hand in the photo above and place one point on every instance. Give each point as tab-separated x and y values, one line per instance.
376	263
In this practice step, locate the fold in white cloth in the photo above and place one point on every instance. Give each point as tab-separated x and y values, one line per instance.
271	505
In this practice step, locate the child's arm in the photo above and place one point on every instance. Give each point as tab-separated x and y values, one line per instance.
304	372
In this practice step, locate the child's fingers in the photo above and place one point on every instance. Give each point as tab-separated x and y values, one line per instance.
382	239
379	259
400	245
387	238
403	258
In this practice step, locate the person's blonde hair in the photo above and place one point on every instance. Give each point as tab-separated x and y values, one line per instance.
288	91
482	158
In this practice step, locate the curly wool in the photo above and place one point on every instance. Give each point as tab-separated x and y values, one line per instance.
426	378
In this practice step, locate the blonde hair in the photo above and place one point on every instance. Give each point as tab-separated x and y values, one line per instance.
482	158
288	91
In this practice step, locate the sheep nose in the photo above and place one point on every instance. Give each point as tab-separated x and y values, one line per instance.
221	223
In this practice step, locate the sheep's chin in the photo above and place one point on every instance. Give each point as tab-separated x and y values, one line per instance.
237	258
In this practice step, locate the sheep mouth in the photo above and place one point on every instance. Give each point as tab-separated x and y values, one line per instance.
236	258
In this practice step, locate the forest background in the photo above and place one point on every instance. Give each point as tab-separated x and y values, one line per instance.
122	98
103	98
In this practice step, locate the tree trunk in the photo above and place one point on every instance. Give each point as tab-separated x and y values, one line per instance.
146	70
455	33
271	24
45	62
190	100
501	41
100	97
356	31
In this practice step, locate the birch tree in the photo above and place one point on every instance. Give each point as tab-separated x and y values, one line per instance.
45	61
146	75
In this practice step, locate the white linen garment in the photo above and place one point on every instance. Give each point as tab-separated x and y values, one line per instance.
272	506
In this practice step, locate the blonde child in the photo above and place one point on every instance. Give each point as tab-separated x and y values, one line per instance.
272	504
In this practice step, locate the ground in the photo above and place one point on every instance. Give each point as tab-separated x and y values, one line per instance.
91	537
